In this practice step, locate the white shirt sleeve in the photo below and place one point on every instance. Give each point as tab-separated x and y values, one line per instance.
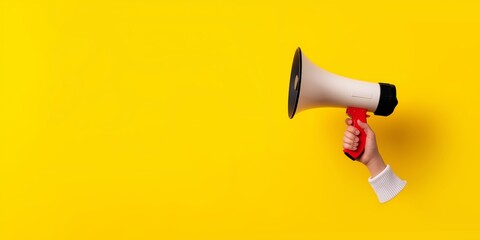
386	184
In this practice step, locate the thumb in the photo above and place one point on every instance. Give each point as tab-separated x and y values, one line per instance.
365	127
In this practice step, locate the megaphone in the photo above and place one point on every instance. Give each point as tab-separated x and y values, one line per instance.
312	87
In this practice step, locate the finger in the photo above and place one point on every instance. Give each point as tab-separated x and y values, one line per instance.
349	121
349	147
347	140
350	141
353	130
351	136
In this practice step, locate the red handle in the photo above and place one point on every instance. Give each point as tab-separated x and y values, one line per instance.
357	114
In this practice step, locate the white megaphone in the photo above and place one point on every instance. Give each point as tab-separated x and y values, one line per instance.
312	87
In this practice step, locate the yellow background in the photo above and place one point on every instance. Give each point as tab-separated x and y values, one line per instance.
157	120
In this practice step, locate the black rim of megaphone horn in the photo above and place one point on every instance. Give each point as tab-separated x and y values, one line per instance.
295	83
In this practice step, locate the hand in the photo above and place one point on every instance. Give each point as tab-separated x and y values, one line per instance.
371	156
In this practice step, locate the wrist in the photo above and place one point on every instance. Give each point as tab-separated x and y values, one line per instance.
375	165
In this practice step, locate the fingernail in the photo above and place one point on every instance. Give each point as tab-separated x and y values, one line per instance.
357	132
356	139
354	148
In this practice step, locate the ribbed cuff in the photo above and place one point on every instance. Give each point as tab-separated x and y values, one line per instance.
386	184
